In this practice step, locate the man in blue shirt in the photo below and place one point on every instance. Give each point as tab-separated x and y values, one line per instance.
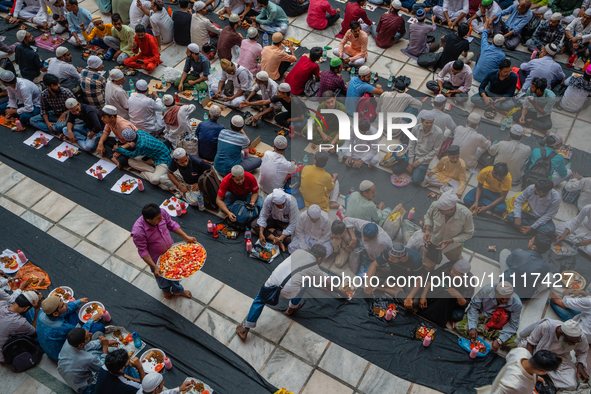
497	88
75	16
559	171
358	86
519	17
195	72
207	133
490	56
526	265
543	202
231	143
27	59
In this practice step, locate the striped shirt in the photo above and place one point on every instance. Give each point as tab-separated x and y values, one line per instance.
93	86
229	154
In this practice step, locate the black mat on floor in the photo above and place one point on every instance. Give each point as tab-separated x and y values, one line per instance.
193	352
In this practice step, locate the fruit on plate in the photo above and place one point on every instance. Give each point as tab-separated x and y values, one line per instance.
182	261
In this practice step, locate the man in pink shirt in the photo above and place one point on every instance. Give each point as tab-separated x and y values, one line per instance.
151	236
250	51
354	54
116	124
317	14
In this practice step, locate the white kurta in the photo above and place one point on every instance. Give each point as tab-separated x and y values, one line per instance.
512	378
492	11
44	16
580	228
241	79
274	171
308	233
172	133
62	69
117	97
137	16
268	91
472	145
28	12
25	92
584	185
144	113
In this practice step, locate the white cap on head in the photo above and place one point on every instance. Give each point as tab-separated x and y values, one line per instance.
556	16
71	103
474	118
31	296
215	110
280	142
151	382
237	170
237	121
263	76
427	115
504	289
234	18
193	48
52	2
499	40
110	110
20	35
252	32
168	100
278	196
94	61
116	74
551	49
447	200
178	153
61	51
517	129
141	85
462	266
440	98
364	70
588	12
198	6
365	185
7	76
396	4
571	329
314	211
284	87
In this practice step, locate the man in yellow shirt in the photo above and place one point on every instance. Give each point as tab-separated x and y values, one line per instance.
450	172
98	33
494	182
317	186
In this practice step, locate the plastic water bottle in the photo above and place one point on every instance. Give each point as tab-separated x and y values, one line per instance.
140	185
503	124
21	256
372	80
205	117
196	94
137	341
390	81
305	161
200	203
247	234
568	166
352	72
131	84
351	190
265	39
163	81
411	214
291	130
209	226
510	122
324	54
52	34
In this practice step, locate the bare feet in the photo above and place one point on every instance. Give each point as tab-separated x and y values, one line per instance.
334	205
186	294
168	296
242	332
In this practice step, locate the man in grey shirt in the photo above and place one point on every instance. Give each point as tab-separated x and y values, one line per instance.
512	152
441	119
544	203
417	36
11	316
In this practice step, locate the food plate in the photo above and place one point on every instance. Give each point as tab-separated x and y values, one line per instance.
153	360
198	387
7	260
170	204
64	292
350	290
576	282
193	122
121	335
182	260
85	313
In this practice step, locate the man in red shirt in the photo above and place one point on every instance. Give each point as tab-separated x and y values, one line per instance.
236	187
304	70
390	28
354	12
229	38
146	45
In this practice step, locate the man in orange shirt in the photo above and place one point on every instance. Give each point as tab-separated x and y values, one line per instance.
149	56
354	54
274	60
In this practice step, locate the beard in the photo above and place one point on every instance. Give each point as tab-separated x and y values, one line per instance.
564	345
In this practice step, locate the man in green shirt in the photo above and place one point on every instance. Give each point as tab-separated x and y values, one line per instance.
121	41
272	17
360	204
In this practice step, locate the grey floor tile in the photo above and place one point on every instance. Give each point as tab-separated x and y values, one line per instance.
81	221
322	383
147	283
27	192
231	303
272	324
202	286
343	364
377	380
64	236
418	389
9	177
216	325
285	370
11	206
10	380
121	268
128	252
92	252
31	386
108	235
187	307
254	350
37	221
304	342
54	206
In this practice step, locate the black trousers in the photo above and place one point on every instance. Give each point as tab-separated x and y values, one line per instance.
283	66
331	19
109	148
533	120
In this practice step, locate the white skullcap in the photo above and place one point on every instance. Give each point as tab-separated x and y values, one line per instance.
427	115
278	196
52	2
215	110
440	98
198	6
314	211
194	48
447	200
7	76
178	153
237	170
252	32
588	12
396	4
284	87
365	185
504	289
462	266
31	296
168	100
237	121
141	85
110	110
61	51
551	49
20	35
474	118
116	74
517	130
71	103
571	329
234	18
556	16
94	61
151	382
364	70
499	40
263	76
280	142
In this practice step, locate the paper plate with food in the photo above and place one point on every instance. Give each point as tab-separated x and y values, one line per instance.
483	347
90	309
573	280
171	204
125	340
153	360
9	262
64	292
182	260
197	387
266	252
